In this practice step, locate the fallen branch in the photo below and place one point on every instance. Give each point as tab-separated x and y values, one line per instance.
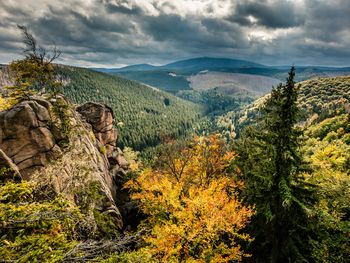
91	249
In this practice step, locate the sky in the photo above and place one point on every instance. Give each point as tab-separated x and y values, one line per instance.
114	33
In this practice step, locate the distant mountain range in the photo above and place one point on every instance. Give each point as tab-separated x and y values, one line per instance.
137	67
195	65
181	75
188	66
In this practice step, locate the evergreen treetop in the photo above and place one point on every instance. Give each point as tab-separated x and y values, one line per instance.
270	161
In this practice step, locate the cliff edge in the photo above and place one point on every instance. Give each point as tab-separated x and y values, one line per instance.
70	148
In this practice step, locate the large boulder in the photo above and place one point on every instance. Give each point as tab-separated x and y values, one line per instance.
25	135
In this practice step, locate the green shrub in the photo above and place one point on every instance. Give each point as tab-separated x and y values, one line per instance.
34	228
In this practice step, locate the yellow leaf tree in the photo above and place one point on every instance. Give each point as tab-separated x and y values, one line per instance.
191	200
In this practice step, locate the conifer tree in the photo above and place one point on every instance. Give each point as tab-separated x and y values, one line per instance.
270	163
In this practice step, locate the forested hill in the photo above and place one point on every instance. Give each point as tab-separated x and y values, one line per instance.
324	97
319	99
143	114
218	72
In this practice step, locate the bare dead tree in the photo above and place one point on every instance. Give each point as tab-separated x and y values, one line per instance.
34	51
36	70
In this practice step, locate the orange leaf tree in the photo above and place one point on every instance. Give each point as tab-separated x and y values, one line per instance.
194	213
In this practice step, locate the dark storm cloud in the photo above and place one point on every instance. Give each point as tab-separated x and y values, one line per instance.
330	20
326	32
202	33
115	32
95	33
181	29
276	14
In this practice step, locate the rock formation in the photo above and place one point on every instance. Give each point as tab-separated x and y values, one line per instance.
67	148
101	118
25	135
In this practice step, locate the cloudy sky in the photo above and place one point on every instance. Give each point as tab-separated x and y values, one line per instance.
112	33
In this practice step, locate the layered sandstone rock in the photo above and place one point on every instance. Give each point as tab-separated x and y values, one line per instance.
101	118
31	136
25	135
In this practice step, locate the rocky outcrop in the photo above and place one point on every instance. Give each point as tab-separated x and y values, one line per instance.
68	148
25	135
101	118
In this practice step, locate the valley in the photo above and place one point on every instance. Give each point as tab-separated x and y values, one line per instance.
182	75
117	139
175	131
233	84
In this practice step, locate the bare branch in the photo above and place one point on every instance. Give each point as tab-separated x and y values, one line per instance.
29	41
90	249
35	52
55	53
37	217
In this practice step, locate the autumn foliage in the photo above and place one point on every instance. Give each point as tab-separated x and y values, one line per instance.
194	213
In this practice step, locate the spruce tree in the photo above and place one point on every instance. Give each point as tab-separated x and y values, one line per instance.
270	162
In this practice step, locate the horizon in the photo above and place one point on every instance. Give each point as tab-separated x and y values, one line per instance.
230	58
118	33
190	58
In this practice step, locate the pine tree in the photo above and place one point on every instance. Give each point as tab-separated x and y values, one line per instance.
270	162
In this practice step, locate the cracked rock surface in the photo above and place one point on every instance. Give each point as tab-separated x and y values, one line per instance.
101	118
25	136
30	141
